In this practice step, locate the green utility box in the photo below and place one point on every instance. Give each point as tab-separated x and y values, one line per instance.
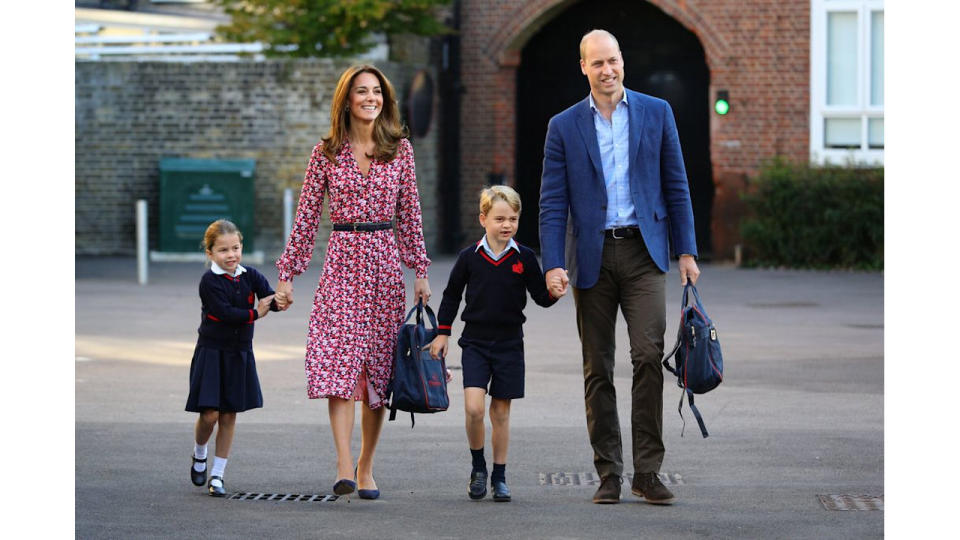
196	192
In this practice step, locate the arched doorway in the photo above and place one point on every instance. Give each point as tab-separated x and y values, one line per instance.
661	58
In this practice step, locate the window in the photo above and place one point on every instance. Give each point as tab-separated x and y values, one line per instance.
846	81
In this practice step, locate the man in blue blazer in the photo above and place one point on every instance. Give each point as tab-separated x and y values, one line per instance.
613	199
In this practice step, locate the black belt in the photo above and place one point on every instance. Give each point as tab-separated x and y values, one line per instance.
355	227
622	232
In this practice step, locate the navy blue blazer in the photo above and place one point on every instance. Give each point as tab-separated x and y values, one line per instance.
573	195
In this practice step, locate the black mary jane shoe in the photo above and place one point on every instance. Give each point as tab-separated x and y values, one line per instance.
216	491
501	493
198	478
478	485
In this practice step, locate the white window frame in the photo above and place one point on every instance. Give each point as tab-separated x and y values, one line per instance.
819	110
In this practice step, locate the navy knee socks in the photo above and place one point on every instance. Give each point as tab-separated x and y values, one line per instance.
479	463
499	473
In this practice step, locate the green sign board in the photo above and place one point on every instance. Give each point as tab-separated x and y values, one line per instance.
196	192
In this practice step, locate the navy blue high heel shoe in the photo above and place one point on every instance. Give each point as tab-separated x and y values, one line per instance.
366	493
344	486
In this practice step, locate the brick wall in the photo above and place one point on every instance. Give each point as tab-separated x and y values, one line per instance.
130	114
757	49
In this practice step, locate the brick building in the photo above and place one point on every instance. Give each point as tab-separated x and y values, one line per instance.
804	78
130	114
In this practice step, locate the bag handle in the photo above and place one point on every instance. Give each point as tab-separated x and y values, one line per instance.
676	346
686	291
419	309
684	299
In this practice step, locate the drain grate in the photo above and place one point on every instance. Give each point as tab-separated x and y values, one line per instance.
592	479
281	497
851	502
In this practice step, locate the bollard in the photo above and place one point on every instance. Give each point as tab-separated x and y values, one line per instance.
142	242
287	213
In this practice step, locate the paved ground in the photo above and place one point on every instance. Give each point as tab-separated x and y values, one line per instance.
799	415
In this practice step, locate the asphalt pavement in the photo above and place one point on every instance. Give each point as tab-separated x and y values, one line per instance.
795	447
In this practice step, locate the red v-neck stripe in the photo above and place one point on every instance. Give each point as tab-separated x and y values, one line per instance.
489	259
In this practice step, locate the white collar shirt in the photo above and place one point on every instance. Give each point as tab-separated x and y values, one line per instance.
215	268
511	244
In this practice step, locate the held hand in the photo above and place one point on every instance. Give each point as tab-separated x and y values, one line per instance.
449	375
438	347
688	269
557	274
556	287
421	290
282	301
263	307
284	294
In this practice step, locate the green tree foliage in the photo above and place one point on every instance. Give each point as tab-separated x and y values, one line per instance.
330	28
815	217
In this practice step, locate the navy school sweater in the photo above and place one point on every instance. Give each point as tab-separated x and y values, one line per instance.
496	293
228	308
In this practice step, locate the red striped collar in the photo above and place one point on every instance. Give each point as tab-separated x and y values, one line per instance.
486	252
511	244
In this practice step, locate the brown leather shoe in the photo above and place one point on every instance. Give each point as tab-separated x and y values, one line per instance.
609	490
648	486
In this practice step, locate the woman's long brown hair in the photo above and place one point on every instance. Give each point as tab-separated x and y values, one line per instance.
387	131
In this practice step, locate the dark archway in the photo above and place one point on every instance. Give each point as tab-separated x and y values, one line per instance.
661	58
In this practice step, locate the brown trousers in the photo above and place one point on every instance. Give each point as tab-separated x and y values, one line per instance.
631	280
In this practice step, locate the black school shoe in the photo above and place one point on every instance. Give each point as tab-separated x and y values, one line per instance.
198	478
478	485
216	491
501	493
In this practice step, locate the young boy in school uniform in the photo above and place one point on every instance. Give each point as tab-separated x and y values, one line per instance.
497	273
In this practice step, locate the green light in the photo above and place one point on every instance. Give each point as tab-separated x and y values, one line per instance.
721	106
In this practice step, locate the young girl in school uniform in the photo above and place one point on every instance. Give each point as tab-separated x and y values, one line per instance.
223	373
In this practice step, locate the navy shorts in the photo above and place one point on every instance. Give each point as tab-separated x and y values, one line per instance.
495	366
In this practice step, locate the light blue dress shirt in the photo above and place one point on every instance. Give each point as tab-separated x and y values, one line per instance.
614	139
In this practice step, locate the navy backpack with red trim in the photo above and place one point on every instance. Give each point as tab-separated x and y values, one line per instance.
699	362
419	383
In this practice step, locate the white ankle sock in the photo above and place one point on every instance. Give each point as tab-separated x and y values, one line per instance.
200	452
219	464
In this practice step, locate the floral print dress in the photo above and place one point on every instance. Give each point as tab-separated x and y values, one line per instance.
359	303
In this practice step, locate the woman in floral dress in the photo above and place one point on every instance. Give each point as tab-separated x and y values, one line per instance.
366	167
